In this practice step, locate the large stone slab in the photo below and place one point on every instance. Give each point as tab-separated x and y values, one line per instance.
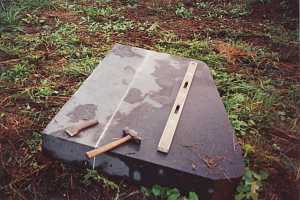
137	88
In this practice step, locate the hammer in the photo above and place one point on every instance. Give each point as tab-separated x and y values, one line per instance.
128	134
79	126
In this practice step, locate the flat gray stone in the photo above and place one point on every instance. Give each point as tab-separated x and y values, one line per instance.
136	88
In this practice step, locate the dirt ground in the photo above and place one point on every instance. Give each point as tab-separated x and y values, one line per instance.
49	50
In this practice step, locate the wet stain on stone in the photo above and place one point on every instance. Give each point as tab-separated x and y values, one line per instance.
129	69
125	51
134	96
86	111
125	82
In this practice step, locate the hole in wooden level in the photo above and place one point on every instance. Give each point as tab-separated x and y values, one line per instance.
177	109
186	84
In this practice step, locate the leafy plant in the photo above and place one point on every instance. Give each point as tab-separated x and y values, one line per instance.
17	73
181	11
96	12
167	193
44	90
35	4
120	25
239	10
10	18
203	5
34	142
250	185
65	38
93	176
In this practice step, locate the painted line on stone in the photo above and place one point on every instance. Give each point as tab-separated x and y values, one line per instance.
121	101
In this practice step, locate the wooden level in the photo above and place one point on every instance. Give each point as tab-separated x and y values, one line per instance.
170	128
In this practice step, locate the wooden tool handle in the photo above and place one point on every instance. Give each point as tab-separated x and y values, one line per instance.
83	124
107	147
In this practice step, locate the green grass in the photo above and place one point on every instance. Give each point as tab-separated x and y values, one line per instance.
247	103
17	73
95	12
65	38
197	49
81	67
232	10
10	16
119	26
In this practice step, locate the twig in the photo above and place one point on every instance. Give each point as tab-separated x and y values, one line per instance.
10	60
4	100
131	194
16	192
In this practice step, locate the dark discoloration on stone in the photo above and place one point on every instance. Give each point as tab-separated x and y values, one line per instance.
134	96
83	112
129	69
125	51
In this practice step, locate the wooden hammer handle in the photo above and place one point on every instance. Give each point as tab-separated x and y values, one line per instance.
107	147
79	126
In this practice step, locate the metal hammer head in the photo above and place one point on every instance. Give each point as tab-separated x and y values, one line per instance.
135	136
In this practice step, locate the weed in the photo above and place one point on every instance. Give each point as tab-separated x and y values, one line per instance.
203	5
158	191
247	104
17	73
181	11
34	142
44	90
229	9
119	26
238	10
10	18
130	2
81	67
150	28
251	185
35	4
65	38
96	12
39	93
93	175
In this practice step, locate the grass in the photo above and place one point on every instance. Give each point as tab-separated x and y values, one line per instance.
17	73
81	67
11	15
95	12
119	26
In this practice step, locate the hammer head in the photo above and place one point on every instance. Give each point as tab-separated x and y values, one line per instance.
135	136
